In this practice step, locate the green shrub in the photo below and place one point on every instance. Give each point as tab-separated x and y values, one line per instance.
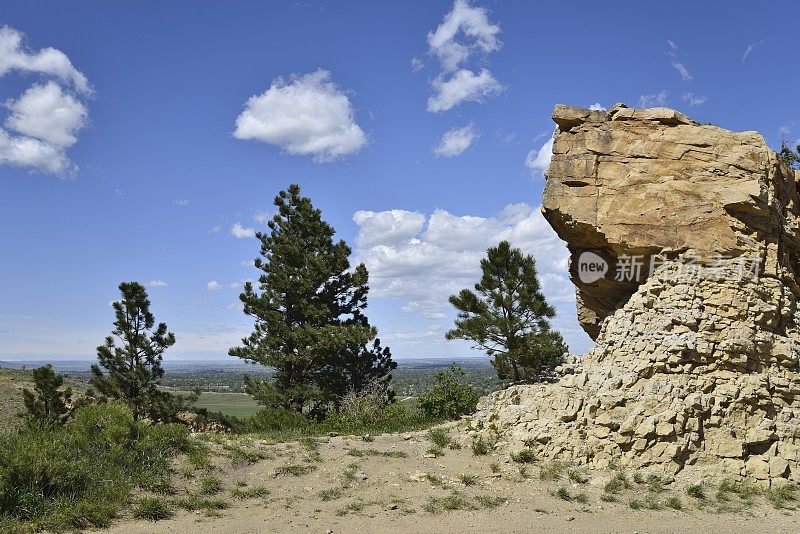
696	491
441	439
80	475
210	485
673	502
450	398
551	471
578	476
782	496
152	508
480	446
617	483
469	480
525	456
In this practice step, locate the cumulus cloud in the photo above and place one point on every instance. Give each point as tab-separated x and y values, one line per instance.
597	106
682	70
456	141
463	86
305	115
392	227
420	261
693	99
48	61
44	120
417	64
241	232
653	100
464	33
213	285
156	283
538	160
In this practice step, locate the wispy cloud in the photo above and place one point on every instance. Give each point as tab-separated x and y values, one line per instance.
693	99
213	285
182	202
653	100
156	283
682	70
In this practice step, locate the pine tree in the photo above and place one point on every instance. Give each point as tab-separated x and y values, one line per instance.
133	369
309	315
357	368
48	404
789	156
507	316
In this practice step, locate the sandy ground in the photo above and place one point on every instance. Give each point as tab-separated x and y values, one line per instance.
385	492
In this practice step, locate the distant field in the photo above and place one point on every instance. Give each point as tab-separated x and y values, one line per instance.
238	404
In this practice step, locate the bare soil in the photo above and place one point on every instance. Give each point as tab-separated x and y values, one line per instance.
391	484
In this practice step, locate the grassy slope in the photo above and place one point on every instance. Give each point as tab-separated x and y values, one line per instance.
11	383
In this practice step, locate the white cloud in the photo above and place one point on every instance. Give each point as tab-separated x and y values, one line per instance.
215	230
156	283
23	151
478	35
182	202
241	232
597	106
682	70
537	161
463	33
455	141
307	115
392	227
45	112
653	100
213	285
462	86
672	45
45	118
422	269
693	99
48	61
417	64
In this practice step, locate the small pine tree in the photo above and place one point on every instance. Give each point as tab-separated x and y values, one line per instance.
309	316
133	369
507	316
48	404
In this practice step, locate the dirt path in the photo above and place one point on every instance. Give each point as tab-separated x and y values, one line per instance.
389	485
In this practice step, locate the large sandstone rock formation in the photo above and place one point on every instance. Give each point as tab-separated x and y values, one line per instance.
695	366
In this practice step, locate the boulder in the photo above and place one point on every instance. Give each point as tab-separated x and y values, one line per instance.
695	365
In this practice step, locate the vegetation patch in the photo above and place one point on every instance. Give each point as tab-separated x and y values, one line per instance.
81	474
152	508
256	492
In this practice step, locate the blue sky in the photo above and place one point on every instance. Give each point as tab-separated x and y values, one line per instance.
121	157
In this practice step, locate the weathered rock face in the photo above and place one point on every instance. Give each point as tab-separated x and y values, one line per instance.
695	367
631	182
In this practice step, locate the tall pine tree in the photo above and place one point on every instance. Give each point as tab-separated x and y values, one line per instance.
507	316
309	315
133	369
